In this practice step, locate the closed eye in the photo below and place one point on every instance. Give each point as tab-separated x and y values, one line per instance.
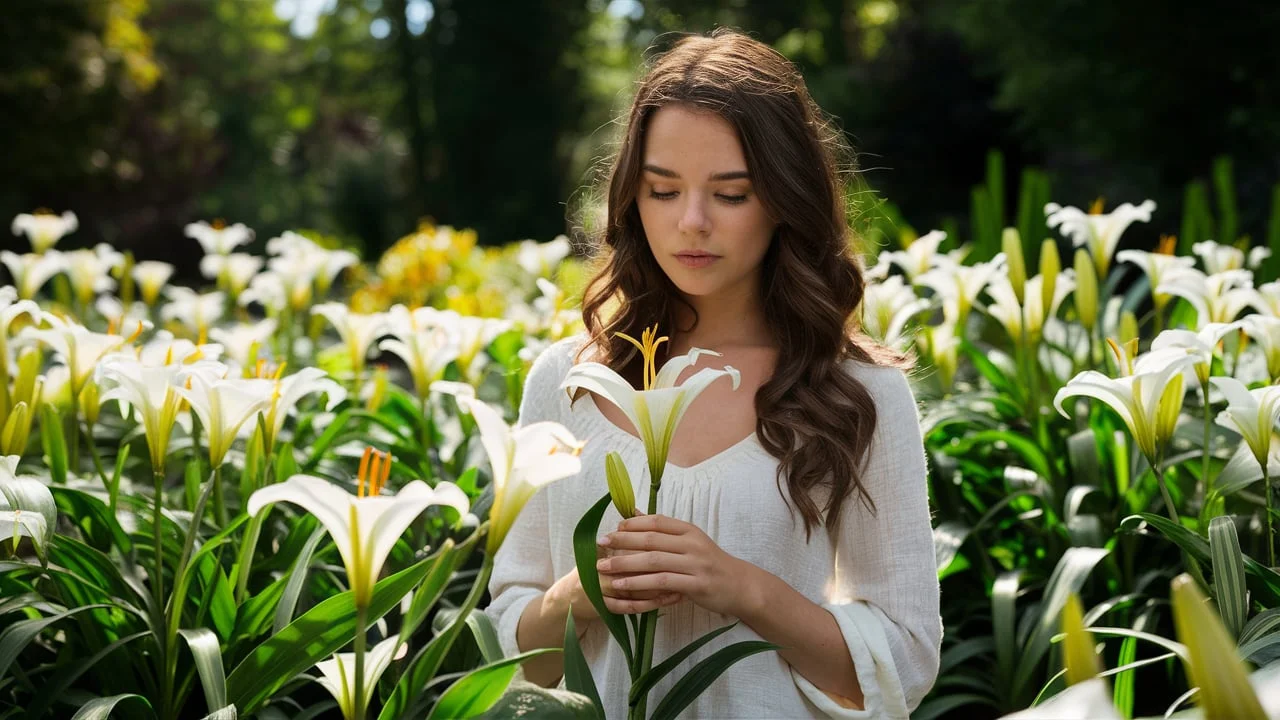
731	199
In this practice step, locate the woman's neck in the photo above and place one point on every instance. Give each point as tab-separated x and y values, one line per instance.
729	319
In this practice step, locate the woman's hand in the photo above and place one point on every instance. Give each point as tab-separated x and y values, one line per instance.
567	591
659	554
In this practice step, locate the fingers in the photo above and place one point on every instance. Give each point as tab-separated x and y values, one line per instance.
633	607
645	541
645	562
655	523
661	581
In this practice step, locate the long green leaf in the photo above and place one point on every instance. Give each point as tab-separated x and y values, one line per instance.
297	578
208	656
577	673
1172	646
1262	624
645	682
100	708
314	636
478	690
585	556
54	443
16	637
1122	690
1004	618
52	690
700	676
1228	574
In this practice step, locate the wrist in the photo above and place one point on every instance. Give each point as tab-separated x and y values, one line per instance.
752	591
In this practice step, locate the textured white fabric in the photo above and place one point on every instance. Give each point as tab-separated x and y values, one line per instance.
878	578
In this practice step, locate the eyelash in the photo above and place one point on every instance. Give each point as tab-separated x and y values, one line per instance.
731	199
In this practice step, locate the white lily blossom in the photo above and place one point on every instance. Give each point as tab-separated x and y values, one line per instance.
1220	258
358	330
1265	331
471	335
76	346
11	308
148	391
90	270
1252	413
418	340
234	272
44	229
1088	700
27	507
290	389
657	409
1158	267
1030	314
218	238
338	673
223	404
321	264
1202	345
364	527
887	307
268	290
194	310
246	342
541	259
295	276
31	271
1098	231
922	255
559	319
523	460
958	286
164	348
118	316
1217	298
151	277
1149	400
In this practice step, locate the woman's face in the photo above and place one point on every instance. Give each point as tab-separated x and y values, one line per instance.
704	222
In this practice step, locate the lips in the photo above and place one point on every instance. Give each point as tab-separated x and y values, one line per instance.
696	259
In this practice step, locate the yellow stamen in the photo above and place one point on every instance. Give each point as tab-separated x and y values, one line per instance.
204	336
1096	207
1168	245
648	348
136	333
386	472
279	371
168	356
218	224
111	327
43	211
363	472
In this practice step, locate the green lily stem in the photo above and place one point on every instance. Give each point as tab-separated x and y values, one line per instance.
362	621
173	611
1158	469
219	502
74	456
97	458
1271	545
648	622
157	582
1208	425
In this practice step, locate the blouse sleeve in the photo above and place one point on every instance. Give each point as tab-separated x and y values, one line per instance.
884	593
522	567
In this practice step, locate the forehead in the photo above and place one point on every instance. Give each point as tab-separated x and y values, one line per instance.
684	139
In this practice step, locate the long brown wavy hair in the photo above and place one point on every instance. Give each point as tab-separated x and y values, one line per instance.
812	415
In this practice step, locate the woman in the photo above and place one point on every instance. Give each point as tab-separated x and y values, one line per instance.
797	503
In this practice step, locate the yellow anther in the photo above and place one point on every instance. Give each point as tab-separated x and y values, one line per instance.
218	224
204	335
136	333
363	472
648	347
279	371
111	326
1096	207
168	356
1168	245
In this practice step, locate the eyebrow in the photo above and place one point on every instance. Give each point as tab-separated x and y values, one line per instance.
731	175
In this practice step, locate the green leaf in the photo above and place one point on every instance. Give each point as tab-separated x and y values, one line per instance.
1026	448
526	700
94	519
585	556
1004	619
322	443
286	466
54	443
297	578
314	636
1122	690
947	539
1228	574
577	672
1257	645
52	690
1262	624
100	708
1068	577
1174	647
645	683
204	647
478	690
700	676
486	636
15	638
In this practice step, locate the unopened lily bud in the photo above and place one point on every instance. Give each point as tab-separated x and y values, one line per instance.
378	391
1050	267
29	362
1128	326
16	430
620	489
1011	244
89	404
1086	293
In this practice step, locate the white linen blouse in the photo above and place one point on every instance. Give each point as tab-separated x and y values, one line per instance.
878	577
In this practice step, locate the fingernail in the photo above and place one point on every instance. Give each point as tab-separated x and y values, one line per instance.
602	565
602	540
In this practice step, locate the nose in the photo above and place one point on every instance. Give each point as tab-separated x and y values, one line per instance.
694	220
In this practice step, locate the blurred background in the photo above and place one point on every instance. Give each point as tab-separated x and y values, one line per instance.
357	119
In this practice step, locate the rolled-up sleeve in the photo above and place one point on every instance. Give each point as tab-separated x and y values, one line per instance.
884	591
522	567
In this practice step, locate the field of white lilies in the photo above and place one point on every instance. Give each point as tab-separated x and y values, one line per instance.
278	495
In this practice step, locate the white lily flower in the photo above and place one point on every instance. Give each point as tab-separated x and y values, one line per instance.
541	259
163	348
941	345
27	507
321	264
887	307
1217	298
656	410
338	674
10	309
331	263
364	526
90	270
292	388
1252	413
79	348
246	342
1157	266
290	243
296	275
471	335
1269	293
523	460
1220	258
151	276
44	229
1202	345
218	238
223	405
1149	401
917	258
418	340
118	316
234	272
1088	700
268	290
194	310
960	285
1265	330
31	271
559	319
357	330
148	390
1095	230
1031	314
55	387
